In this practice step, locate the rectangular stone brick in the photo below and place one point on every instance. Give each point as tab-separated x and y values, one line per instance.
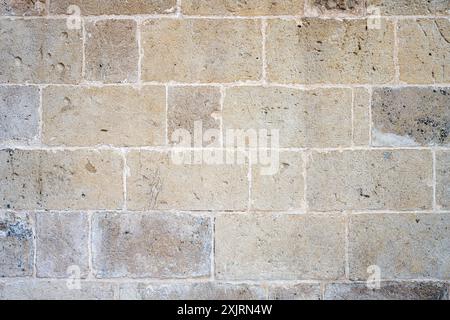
115	115
53	54
56	290
403	246
154	245
282	247
335	7
112	51
201	50
388	291
191	291
242	8
370	180
22	8
443	180
424	50
302	291
411	7
361	117
115	7
317	51
157	182
19	113
411	116
304	118
16	245
78	180
62	243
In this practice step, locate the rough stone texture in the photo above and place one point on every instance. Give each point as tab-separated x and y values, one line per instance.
187	105
116	115
16	245
370	180
156	245
304	118
48	51
191	291
22	8
411	116
443	180
65	236
156	182
282	191
424	51
19	113
295	292
335	7
56	290
404	246
112	51
284	247
411	7
242	7
115	7
60	179
361	117
314	51
388	291
201	50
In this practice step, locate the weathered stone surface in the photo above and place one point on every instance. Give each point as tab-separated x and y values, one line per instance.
201	50
19	113
187	105
300	291
22	8
60	179
304	118
157	182
404	246
284	190
16	245
116	115
443	180
370	180
319	51
115	7
191	291
361	117
242	8
48	52
411	116
62	242
282	247
158	245
388	291
424	50
335	7
56	290
112	51
411	7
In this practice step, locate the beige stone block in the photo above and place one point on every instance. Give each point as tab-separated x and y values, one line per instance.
335	7
301	291
22	8
361	117
411	7
443	180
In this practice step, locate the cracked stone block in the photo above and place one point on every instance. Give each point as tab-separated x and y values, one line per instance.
335	7
403	246
60	180
370	180
304	118
160	180
62	243
115	7
201	50
387	291
301	291
48	52
242	7
283	190
361	117
279	246
22	8
411	116
424	50
19	113
113	115
56	290
191	291
16	245
112	51
443	180
318	51
187	105
155	245
411	7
